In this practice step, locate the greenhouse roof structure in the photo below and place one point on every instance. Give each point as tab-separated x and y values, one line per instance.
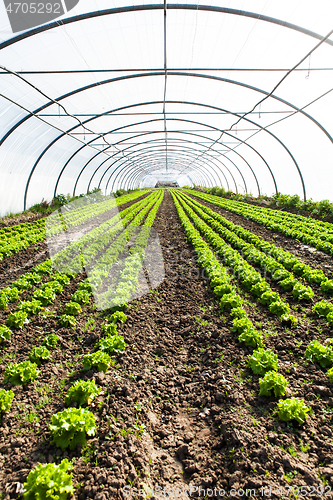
111	95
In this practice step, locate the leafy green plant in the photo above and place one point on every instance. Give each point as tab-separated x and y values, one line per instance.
323	308
30	306
111	344
85	285
262	361
327	286
73	308
51	341
118	316
53	285
46	296
67	321
302	292
81	297
17	319
319	353
6	398
71	426
293	409
230	301
4	302
109	328
49	482
279	308
39	354
5	333
238	312
82	392
272	381
21	373
251	337
100	360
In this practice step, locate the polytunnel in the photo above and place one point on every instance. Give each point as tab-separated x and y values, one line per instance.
112	95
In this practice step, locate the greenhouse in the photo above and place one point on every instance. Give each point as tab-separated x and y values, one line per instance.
166	243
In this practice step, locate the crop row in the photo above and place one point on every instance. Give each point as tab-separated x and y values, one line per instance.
299	229
263	362
16	238
282	277
74	424
250	279
284	258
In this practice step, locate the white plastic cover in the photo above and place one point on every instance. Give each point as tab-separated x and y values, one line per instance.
113	95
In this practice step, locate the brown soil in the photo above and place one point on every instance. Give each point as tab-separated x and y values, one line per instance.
184	376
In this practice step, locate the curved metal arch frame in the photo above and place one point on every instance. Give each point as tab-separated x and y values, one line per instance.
173	161
158	142
228	134
123	172
156	7
174	74
171	142
136	8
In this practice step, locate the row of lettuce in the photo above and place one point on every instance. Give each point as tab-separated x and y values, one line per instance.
13	239
263	362
73	425
315	233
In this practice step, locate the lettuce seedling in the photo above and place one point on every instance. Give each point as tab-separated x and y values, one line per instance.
67	321
4	301
6	398
230	301
82	392
99	359
5	333
241	324
293	409
279	308
73	308
39	354
111	344
302	292
251	337
319	353
30	307
327	286
280	275
85	285
323	308
223	289
288	283
21	373
259	288
12	293
46	296
109	329
51	341
330	375
118	317
18	319
81	297
263	361
269	297
63	279
238	312
49	482
272	381
71	426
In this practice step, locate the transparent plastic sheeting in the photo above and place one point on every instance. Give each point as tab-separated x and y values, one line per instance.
121	263
237	94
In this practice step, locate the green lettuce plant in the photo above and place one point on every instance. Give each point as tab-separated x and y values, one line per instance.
51	341
49	482
31	307
73	308
39	354
111	344
319	353
323	308
82	392
5	333
230	301
272	382
251	337
46	296
17	319
6	398
293	409
118	317
81	297
109	328
21	373
71	427
67	321
99	359
262	361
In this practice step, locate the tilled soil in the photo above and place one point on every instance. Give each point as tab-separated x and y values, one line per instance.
180	409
